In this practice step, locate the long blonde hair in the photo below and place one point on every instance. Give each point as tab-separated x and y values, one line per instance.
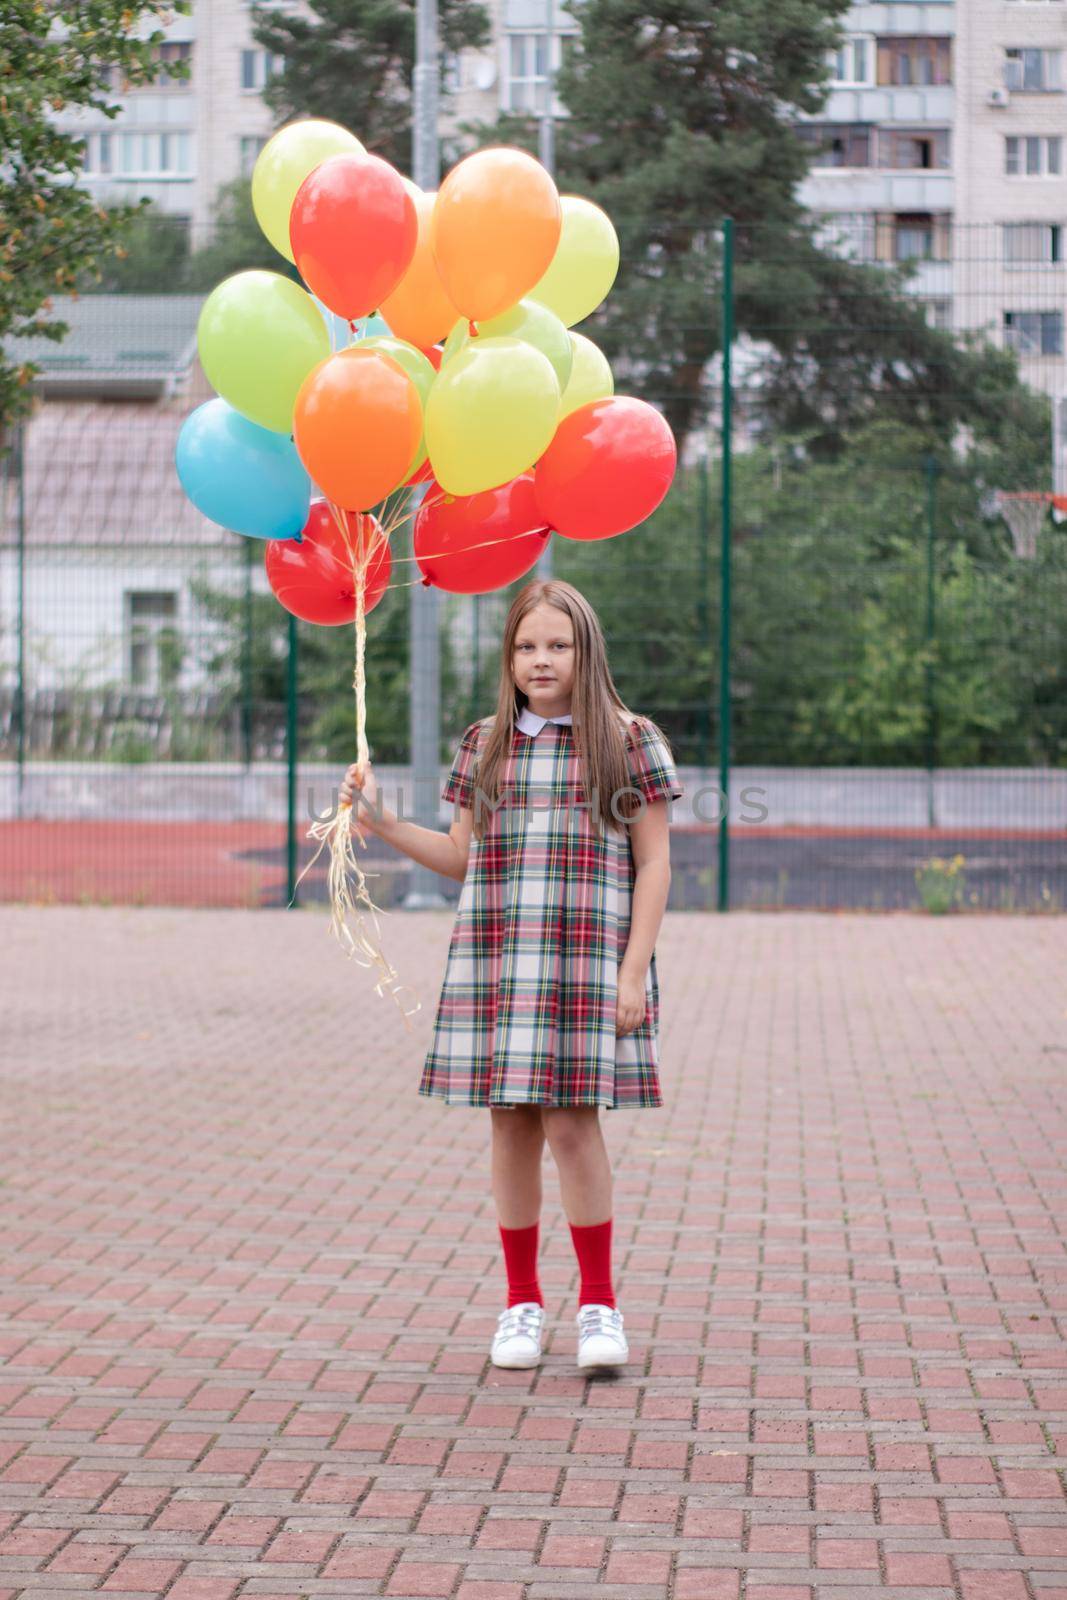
599	713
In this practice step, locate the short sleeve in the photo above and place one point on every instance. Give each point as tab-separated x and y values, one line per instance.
460	784
652	769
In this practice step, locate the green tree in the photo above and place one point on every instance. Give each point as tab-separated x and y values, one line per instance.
352	61
54	58
237	242
153	258
685	112
155	255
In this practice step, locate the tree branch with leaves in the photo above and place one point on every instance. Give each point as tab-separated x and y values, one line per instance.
56	57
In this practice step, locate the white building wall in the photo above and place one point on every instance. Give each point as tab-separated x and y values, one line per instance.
986	283
75	611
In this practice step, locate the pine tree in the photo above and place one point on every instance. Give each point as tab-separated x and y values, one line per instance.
352	62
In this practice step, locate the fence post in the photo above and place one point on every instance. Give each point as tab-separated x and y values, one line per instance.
476	653
930	469
246	658
291	684
725	597
20	619
703	616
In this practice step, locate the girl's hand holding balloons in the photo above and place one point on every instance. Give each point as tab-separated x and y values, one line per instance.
360	780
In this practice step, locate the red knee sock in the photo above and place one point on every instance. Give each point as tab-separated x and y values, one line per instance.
592	1246
520	1259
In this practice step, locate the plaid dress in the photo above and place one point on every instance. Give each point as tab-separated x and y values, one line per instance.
527	1008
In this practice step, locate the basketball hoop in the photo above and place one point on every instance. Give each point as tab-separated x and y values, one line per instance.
1024	510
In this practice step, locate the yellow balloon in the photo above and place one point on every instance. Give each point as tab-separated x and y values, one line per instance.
283	164
529	321
590	377
585	263
491	413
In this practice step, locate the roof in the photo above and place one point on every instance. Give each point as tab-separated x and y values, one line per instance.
130	344
102	473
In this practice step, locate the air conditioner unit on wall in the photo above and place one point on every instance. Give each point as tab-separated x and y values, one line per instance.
1000	96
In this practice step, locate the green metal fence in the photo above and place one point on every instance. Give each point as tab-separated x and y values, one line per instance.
862	671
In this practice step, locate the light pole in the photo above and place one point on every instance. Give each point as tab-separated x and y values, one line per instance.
424	706
546	149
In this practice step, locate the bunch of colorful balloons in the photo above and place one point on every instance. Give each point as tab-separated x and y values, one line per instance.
459	371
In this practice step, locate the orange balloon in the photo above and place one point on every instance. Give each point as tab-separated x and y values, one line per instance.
418	309
496	224
357	424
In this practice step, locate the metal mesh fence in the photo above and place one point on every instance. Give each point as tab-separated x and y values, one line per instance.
896	678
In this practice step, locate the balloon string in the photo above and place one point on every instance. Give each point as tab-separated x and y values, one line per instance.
442	555
335	832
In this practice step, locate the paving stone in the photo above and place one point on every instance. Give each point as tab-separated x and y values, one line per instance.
250	1277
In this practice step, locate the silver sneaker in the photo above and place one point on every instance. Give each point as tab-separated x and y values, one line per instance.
517	1340
601	1341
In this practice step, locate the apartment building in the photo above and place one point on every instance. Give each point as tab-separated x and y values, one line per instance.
1011	188
942	145
177	141
882	169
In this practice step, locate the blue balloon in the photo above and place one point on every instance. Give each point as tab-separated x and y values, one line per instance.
241	475
341	335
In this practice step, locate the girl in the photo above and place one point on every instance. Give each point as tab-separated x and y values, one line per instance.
550	1003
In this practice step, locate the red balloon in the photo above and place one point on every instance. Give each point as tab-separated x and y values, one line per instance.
607	469
434	355
353	228
315	580
448	526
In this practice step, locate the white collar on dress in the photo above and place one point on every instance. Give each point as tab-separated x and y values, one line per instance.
529	722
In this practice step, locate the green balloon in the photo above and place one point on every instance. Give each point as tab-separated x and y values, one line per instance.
533	324
418	368
259	336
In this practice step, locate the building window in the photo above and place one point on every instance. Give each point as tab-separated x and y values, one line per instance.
258	67
939	314
170	53
836	144
853	62
1033	243
153	653
525	86
1033	156
155	155
918	150
251	145
527	71
1034	333
97	155
913	239
913	236
1033	71
921	61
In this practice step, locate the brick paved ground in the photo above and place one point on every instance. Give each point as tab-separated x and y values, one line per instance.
251	1276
